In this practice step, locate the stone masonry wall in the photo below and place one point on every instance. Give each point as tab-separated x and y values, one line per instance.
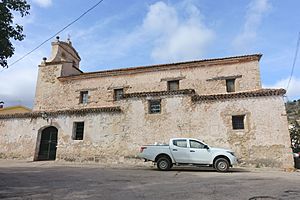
18	137
53	93
113	137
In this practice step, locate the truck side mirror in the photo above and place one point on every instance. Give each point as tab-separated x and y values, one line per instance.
206	147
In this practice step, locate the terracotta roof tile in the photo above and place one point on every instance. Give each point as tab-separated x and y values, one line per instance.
237	95
163	67
61	112
159	93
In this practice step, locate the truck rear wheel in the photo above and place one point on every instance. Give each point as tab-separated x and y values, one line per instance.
164	163
221	165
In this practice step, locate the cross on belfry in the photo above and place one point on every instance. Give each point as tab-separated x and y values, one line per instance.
69	39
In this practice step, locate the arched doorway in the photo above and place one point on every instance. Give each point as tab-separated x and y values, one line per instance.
48	142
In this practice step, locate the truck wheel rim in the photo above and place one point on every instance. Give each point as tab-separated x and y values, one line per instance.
163	164
222	166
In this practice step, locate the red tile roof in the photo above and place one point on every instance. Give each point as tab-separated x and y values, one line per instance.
158	93
163	67
83	111
238	95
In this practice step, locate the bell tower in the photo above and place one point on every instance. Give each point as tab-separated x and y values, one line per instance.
64	53
64	61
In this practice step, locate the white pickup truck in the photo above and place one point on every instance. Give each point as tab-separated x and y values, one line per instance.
188	151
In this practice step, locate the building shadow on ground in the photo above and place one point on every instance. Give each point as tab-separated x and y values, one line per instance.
199	169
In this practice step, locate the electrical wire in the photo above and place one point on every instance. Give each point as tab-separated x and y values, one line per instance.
294	62
58	32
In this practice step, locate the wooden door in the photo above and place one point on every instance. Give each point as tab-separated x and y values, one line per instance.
47	150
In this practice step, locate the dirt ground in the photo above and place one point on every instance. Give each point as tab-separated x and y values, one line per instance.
58	180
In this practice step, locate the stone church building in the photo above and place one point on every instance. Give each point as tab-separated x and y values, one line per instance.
106	116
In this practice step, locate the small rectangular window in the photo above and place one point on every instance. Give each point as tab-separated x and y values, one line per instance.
118	94
78	129
238	122
84	97
173	85
230	85
154	106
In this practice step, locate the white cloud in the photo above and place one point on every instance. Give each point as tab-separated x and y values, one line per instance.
18	81
43	3
167	33
24	21
174	37
293	91
257	9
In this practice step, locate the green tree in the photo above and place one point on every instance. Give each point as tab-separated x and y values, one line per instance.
8	29
295	137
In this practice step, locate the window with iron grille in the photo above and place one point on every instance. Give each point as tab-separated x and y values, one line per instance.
118	94
84	97
173	85
238	122
230	85
154	106
78	129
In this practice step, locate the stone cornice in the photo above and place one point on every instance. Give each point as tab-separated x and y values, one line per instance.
46	114
158	93
239	95
224	78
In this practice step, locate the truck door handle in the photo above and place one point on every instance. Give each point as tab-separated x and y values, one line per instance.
174	149
192	151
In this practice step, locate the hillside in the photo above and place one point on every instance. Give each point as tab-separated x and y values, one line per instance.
293	111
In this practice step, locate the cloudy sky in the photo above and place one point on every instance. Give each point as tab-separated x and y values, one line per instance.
133	33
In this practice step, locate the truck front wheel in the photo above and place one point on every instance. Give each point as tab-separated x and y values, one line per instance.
221	165
164	163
